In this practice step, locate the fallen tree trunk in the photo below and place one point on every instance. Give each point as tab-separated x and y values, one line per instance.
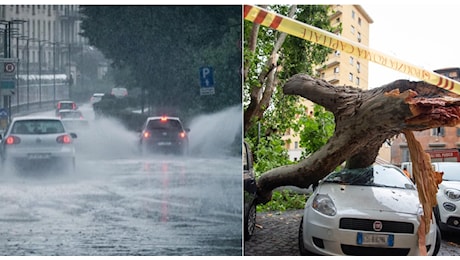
364	121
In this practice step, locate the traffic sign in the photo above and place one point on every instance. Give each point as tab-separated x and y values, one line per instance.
207	81
7	84
8	71
206	77
3	113
9	67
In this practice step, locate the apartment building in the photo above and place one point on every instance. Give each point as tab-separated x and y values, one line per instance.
442	143
342	68
39	33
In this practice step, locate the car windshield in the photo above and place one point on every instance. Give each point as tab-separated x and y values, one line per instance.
164	124
33	127
376	175
451	171
66	105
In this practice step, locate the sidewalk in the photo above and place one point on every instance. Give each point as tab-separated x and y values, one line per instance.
276	234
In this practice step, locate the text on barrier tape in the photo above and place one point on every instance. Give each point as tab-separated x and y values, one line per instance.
290	26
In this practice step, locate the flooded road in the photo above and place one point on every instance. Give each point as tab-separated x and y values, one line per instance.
121	203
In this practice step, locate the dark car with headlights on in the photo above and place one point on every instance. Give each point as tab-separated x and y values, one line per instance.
35	143
164	134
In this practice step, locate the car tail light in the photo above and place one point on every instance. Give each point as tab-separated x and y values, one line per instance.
182	134
12	140
64	139
164	119
74	106
146	135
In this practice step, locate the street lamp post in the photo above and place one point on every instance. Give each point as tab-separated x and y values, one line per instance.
40	47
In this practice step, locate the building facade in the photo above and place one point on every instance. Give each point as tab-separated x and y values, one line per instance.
442	143
341	68
45	34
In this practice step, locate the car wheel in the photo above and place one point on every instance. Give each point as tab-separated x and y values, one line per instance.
250	222
303	251
437	246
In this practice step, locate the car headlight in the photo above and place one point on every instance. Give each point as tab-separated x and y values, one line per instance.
452	194
324	204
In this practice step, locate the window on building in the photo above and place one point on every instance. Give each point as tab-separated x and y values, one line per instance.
357	81
359	20
351	60
296	145
439	131
33	28
337	53
336	70
405	155
353	14
350	77
358	66
352	29
359	37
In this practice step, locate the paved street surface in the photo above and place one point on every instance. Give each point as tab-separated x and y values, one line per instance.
122	203
277	233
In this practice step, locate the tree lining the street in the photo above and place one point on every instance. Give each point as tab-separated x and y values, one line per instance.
161	48
270	58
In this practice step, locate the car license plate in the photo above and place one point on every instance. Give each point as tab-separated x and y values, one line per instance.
38	156
164	143
375	239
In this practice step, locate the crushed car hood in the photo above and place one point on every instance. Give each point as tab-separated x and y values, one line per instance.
367	198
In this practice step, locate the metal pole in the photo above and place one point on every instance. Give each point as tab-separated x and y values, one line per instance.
70	76
54	73
39	75
27	68
17	78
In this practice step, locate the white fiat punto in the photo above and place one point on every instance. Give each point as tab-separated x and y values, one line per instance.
367	211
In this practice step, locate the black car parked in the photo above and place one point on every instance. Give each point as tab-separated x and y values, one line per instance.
250	193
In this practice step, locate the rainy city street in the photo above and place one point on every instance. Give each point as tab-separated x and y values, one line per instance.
120	202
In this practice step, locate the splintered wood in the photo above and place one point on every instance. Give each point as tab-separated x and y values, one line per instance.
427	185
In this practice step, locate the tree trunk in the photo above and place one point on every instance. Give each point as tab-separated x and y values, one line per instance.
364	120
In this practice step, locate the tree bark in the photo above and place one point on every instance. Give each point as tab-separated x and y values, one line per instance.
364	121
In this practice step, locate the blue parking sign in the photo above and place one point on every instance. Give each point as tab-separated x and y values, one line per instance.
206	77
3	113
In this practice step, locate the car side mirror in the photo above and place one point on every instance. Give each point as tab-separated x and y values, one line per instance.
187	129
73	135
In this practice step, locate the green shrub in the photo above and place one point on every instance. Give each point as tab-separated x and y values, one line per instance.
284	200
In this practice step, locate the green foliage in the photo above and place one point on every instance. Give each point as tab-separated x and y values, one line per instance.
317	129
161	48
296	56
284	200
269	153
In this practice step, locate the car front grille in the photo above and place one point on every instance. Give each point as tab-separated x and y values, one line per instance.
367	225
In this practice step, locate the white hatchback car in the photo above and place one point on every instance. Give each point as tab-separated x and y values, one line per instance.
448	210
35	143
368	211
